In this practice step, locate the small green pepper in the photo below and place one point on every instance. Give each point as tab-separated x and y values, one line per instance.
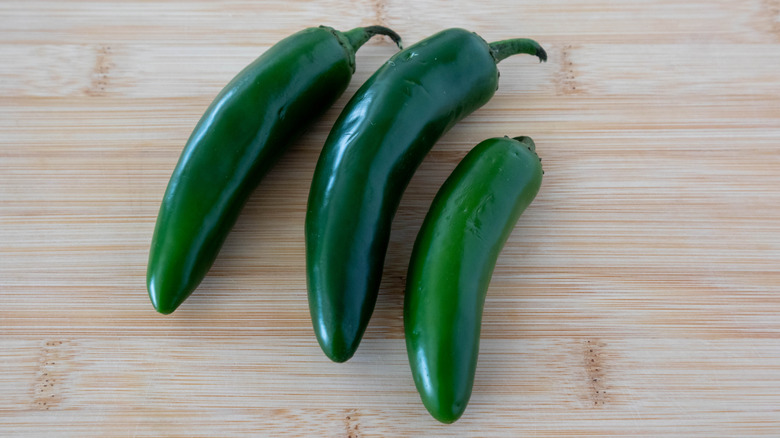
236	142
452	262
377	143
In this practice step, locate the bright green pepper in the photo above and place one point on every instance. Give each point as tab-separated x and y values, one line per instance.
372	151
452	262
236	142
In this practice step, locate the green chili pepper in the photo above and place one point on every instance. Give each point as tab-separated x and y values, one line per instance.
377	143
452	262
236	142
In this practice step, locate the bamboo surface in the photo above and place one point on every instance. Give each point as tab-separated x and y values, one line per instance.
638	295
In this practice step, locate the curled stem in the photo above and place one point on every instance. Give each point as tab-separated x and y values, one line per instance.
358	36
506	48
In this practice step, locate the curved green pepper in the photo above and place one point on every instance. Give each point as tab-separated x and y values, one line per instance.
452	262
372	151
235	143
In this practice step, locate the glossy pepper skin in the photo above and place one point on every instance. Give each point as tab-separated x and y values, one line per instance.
236	142
377	143
452	262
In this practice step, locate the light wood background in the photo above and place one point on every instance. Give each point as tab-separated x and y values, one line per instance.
638	295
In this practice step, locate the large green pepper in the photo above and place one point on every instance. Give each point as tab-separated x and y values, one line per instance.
452	262
372	151
239	138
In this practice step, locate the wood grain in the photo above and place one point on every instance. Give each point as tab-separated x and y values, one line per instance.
638	294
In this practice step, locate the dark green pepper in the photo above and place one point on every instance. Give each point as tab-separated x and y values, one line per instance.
236	142
452	262
372	151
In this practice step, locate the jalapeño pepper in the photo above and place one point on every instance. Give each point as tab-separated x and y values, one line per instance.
452	262
238	139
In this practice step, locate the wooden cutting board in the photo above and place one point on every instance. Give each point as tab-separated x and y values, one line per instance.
638	295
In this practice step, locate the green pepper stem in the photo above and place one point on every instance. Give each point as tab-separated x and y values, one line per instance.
506	48
528	141
358	36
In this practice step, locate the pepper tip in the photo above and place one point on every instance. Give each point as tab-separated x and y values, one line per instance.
164	307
